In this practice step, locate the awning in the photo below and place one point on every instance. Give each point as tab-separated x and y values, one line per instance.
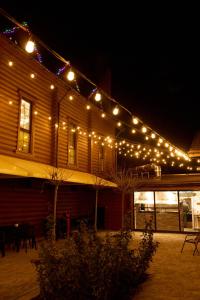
24	168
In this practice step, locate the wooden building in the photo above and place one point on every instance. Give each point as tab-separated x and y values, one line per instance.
49	131
45	127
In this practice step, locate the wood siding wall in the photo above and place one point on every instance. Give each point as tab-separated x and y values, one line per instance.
30	201
103	128
45	101
111	201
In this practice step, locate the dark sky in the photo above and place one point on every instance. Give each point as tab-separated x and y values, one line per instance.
152	52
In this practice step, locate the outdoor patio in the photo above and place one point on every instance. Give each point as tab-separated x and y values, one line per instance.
172	275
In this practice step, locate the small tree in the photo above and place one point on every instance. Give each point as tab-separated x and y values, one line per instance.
56	178
126	183
99	184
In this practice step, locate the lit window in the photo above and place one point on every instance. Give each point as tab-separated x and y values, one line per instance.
25	126
72	148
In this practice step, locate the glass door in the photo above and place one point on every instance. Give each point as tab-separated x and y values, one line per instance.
190	210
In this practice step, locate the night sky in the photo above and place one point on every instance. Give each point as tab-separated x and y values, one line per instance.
153	56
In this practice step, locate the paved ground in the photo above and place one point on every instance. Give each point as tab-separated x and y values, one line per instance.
173	275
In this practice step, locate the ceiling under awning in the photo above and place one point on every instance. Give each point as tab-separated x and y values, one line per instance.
24	168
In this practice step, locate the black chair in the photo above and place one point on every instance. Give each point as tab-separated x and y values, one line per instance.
192	238
27	236
12	236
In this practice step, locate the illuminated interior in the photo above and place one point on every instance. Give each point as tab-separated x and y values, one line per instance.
168	210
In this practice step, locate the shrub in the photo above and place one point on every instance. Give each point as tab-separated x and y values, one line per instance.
89	267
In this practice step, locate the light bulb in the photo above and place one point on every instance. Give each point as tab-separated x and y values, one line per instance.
135	121
70	75
115	111
30	46
97	97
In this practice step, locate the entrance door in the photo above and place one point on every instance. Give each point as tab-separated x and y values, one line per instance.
189	210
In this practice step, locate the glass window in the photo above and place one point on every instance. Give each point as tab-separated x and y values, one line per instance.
167	213
190	210
143	209
72	145
24	136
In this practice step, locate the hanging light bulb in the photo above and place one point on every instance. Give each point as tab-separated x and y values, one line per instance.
97	97
30	46
70	75
144	129
103	115
135	121
115	111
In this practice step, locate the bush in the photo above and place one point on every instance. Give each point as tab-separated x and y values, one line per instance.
92	268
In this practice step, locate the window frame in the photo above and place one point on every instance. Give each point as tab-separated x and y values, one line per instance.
72	123
30	99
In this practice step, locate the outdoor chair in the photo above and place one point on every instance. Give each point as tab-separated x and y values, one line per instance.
192	238
27	235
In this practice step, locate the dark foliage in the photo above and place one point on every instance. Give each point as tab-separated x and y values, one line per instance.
89	267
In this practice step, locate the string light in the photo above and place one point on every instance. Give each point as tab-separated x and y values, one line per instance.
52	87
135	121
144	129
115	111
97	97
30	46
71	76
